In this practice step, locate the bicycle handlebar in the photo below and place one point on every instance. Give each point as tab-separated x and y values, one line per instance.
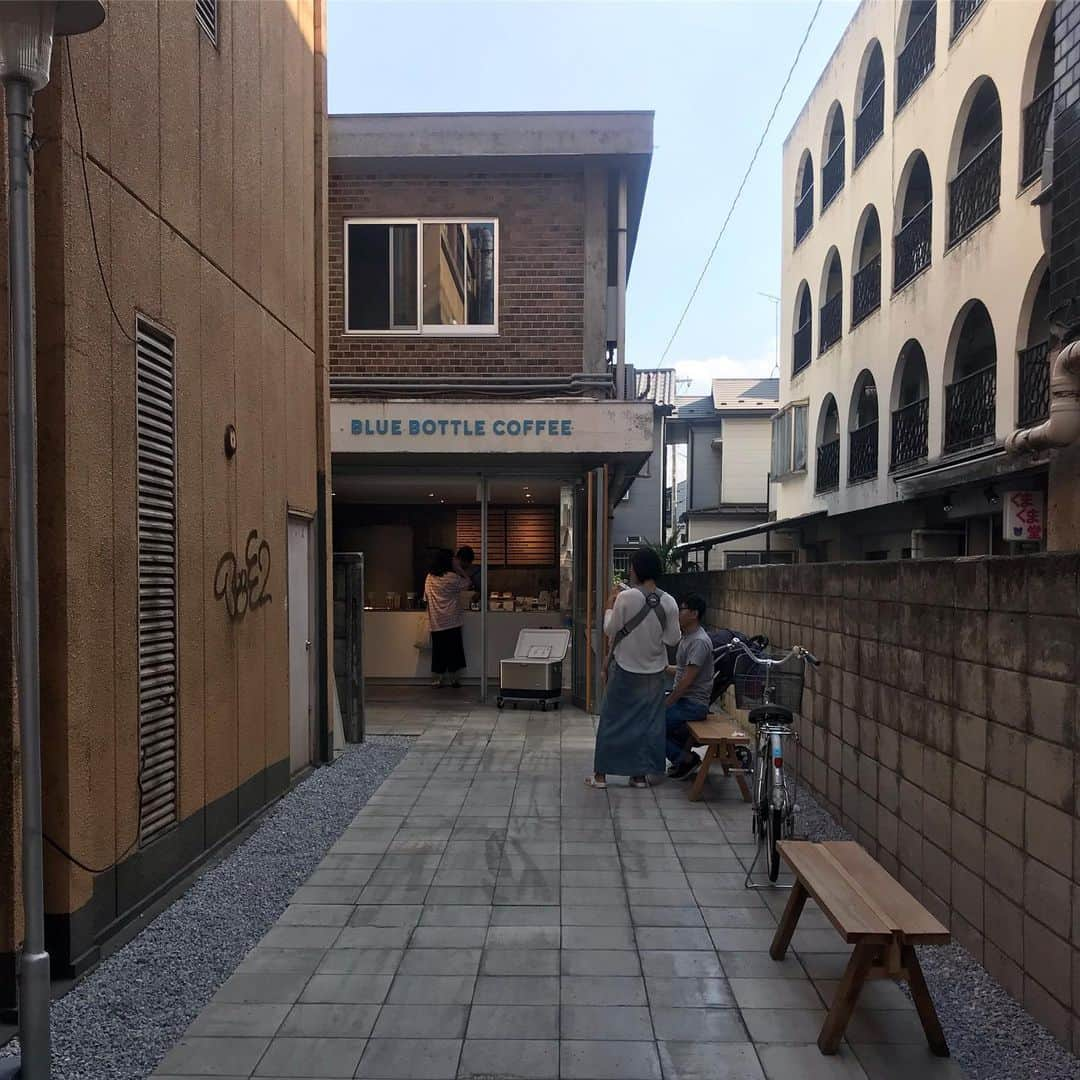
797	650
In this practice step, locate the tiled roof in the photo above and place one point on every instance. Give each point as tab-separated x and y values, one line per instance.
746	394
693	408
656	385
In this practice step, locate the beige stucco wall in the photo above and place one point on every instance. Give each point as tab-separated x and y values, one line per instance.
207	191
1000	263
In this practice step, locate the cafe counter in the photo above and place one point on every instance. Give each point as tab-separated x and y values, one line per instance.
390	639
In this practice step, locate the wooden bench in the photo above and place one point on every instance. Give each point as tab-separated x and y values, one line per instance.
870	910
719	735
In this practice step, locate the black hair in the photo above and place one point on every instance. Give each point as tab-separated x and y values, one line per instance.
466	554
693	602
646	564
442	562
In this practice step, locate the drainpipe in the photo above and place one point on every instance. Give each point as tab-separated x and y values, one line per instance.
620	295
1062	427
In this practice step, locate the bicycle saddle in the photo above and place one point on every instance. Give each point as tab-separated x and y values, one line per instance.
776	714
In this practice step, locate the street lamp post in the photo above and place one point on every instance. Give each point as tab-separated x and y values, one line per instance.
27	29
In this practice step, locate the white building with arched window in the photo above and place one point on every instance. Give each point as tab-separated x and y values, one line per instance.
915	288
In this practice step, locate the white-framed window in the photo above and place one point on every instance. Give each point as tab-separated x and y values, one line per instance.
421	276
789	435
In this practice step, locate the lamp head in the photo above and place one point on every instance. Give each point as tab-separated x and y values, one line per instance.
27	29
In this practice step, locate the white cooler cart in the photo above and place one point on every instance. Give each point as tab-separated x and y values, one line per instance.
534	672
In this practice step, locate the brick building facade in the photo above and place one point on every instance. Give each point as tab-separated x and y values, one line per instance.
541	219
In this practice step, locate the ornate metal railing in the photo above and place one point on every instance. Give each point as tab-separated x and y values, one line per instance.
801	356
916	60
910	434
832	176
828	467
863	452
804	216
911	247
870	123
970	405
831	325
866	291
975	192
1036	122
1034	384
962	11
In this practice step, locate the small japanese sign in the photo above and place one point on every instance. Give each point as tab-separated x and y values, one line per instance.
1023	516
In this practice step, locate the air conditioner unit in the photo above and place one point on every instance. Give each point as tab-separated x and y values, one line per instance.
717	444
633	540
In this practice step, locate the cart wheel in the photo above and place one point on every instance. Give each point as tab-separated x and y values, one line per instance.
499	703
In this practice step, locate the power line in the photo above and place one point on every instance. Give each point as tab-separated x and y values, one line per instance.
742	183
93	229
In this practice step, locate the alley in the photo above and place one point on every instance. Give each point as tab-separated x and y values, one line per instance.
486	915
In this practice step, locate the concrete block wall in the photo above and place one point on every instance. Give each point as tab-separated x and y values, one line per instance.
541	273
942	729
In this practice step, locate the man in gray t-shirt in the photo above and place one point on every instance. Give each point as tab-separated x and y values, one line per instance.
692	690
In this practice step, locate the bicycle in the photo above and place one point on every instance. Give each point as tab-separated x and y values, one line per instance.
769	684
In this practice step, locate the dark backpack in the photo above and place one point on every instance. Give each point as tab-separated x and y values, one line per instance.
725	657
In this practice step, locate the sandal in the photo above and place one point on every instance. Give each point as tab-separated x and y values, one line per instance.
591	781
639	781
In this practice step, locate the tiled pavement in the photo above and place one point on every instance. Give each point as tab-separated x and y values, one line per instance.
488	916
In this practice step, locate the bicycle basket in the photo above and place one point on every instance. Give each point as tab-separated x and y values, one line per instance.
757	683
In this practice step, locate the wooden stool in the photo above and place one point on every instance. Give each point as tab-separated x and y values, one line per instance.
720	737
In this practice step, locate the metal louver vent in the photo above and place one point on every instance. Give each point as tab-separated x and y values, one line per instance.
156	462
206	13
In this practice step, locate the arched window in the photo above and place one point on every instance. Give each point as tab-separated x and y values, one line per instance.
801	335
975	189
827	476
1034	359
915	47
911	244
832	308
866	281
832	172
870	101
911	407
863	430
971	396
1041	100
804	197
962	12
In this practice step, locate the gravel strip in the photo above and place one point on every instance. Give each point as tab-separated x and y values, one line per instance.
120	1021
990	1035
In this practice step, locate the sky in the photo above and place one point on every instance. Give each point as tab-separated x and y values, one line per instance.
710	71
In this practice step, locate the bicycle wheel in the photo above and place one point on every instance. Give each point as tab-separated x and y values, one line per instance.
775	824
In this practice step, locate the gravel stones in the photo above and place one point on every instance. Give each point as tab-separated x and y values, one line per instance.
120	1021
990	1035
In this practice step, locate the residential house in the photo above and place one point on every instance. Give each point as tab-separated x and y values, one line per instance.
640	514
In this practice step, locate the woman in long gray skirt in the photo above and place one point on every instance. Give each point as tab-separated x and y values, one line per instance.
642	621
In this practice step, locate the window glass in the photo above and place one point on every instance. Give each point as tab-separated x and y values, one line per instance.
402	278
403	266
781	444
798	457
369	277
382	277
444	274
481	274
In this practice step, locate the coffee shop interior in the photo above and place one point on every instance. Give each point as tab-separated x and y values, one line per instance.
387	527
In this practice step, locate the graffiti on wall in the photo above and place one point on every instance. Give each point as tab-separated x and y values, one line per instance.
242	585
